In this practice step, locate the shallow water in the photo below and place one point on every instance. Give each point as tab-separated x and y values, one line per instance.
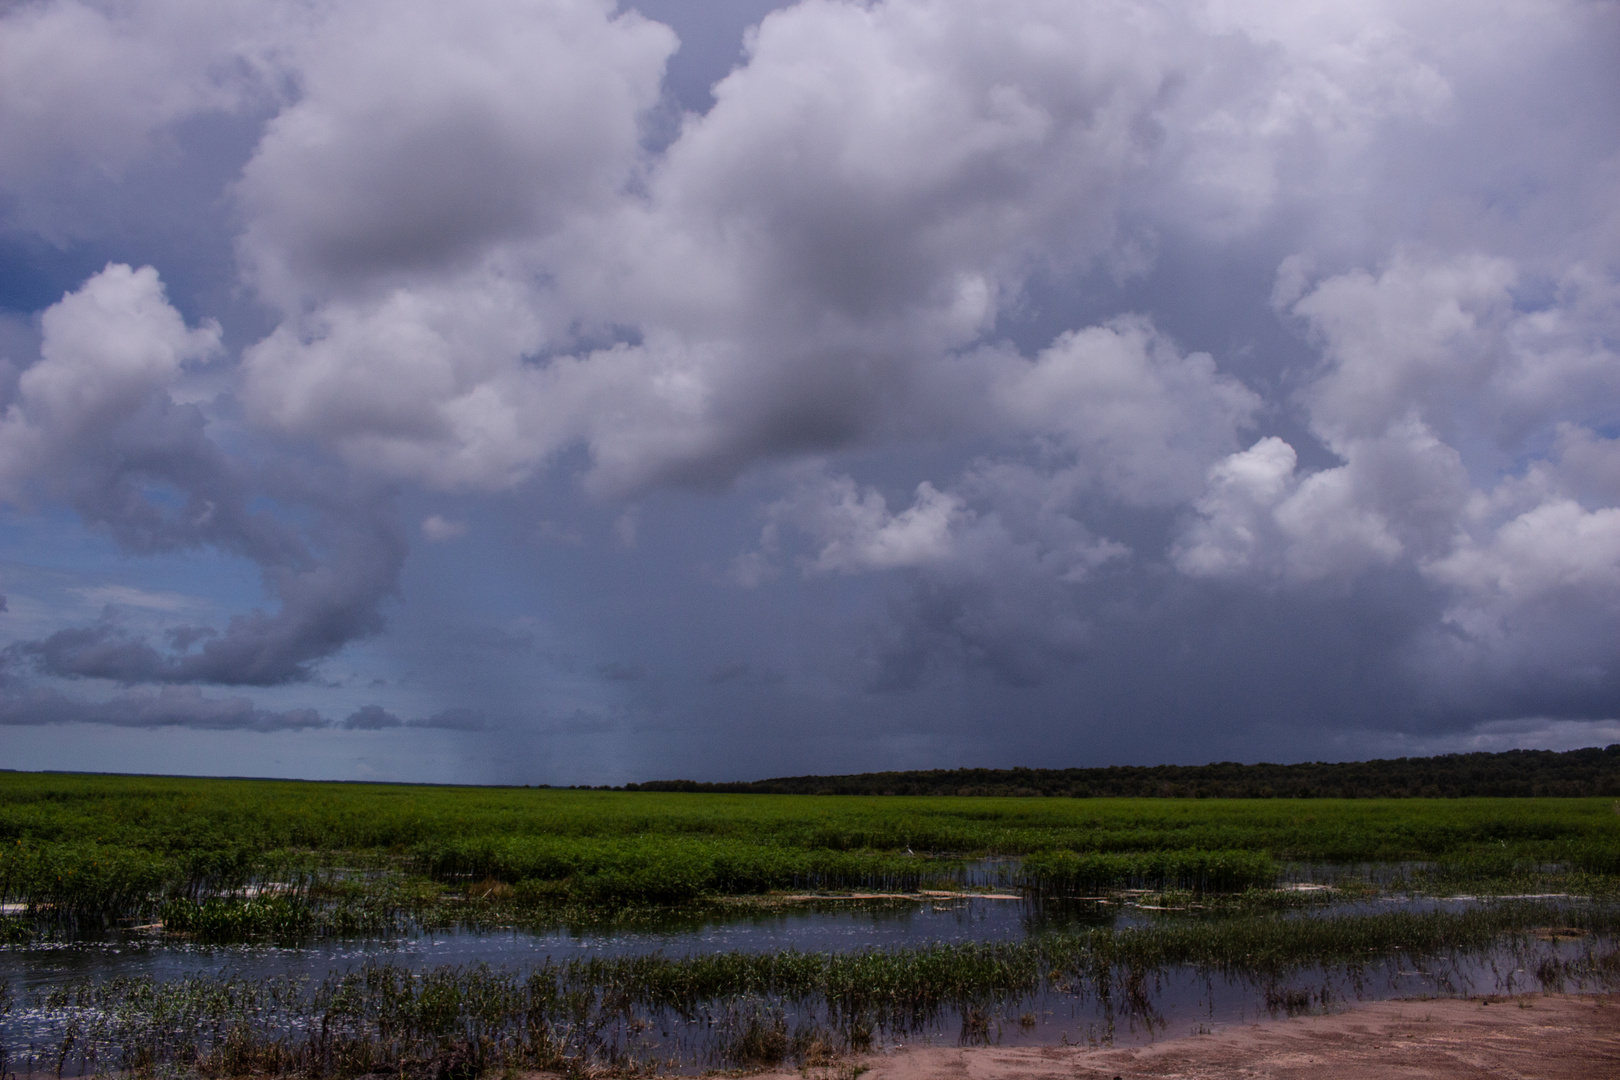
808	929
1174	1002
828	926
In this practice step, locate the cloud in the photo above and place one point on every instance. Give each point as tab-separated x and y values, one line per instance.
994	569
372	718
90	89
1495	736
785	286
1117	412
169	706
1556	548
1238	529
439	529
108	351
1427	361
324	607
377	718
1261	519
870	192
1535	599
1060	348
126	596
93	421
1440	389
856	531
1140	418
401	211
421	139
452	720
189	707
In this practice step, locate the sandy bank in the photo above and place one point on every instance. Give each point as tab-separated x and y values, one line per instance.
1544	1037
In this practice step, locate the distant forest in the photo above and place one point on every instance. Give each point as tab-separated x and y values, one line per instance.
1513	773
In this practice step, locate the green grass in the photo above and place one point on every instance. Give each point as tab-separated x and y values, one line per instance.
92	847
1196	871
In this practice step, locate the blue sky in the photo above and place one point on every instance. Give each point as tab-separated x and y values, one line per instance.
555	392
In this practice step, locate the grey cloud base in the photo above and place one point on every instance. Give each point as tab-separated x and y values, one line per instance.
875	379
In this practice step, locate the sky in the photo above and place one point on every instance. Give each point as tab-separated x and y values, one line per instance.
549	391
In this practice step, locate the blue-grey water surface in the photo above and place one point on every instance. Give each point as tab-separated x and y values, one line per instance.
1181	999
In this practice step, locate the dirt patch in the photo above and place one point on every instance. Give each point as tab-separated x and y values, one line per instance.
1550	1037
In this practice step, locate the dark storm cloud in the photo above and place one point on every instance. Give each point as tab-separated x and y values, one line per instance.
1163	371
160	448
189	707
372	718
323	608
168	707
94	424
452	720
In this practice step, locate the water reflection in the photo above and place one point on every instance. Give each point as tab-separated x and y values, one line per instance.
1120	1006
829	926
822	926
1173	1000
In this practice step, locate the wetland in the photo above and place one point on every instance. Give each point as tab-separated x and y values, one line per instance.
223	927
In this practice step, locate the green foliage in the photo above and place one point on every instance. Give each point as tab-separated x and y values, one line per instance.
126	846
1197	871
668	869
80	878
1595	855
1510	774
233	920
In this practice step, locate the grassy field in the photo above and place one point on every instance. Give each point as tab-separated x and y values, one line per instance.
108	846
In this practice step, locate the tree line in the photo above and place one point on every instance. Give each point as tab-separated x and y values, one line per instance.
1513	773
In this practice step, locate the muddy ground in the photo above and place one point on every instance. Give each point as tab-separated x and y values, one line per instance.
1550	1037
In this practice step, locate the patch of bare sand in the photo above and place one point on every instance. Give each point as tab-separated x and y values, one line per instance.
1549	1037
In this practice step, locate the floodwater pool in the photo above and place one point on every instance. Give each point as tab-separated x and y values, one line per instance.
50	1001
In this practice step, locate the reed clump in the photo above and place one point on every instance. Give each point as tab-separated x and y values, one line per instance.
1195	871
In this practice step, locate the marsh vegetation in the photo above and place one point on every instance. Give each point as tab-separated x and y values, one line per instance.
1288	900
110	848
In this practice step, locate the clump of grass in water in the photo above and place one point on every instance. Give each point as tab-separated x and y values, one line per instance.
278	918
231	920
668	869
731	1009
